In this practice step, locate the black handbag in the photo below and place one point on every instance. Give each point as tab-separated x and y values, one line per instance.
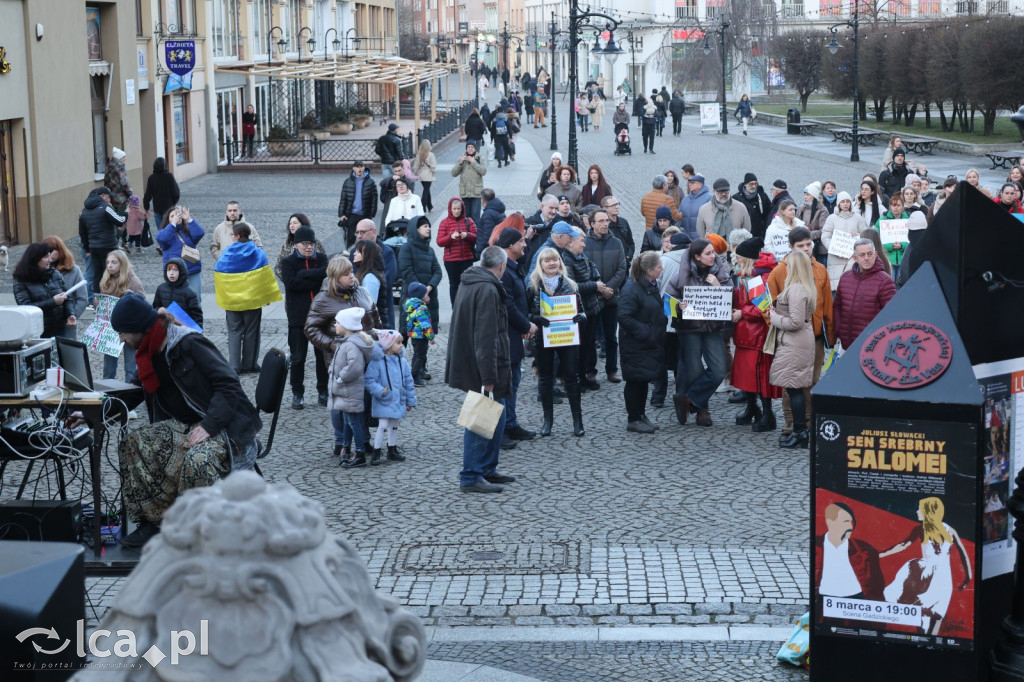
146	239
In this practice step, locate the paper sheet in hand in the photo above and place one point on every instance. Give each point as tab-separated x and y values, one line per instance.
895	230
74	287
707	303
841	245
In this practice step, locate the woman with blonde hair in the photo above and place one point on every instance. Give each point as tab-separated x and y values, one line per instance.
792	368
928	581
425	166
973	179
341	290
118	279
549	278
64	262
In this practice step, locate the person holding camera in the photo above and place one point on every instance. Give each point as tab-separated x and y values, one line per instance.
470	171
178	238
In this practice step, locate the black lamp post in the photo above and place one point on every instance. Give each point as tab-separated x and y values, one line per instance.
349	41
505	36
310	43
833	47
707	50
554	82
280	43
336	43
576	19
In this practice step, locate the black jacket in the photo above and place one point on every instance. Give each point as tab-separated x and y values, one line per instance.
348	196
621	229
677	106
302	279
641	331
492	215
389	148
478	350
533	297
40	293
610	259
161	188
475	127
516	308
583	271
179	292
541	233
759	207
98	223
652	239
779	198
893	178
418	263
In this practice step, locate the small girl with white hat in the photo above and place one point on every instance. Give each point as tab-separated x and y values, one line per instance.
352	350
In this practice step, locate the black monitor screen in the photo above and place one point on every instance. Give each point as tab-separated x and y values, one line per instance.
73	357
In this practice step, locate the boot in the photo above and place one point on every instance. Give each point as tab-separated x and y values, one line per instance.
547	403
577	424
573	392
394	455
767	420
545	427
358	459
797	439
375	458
751	413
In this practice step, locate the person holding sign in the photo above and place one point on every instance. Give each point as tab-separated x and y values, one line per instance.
893	228
776	237
793	365
700	339
841	230
118	279
555	304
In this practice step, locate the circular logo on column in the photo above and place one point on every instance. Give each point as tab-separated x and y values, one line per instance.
905	355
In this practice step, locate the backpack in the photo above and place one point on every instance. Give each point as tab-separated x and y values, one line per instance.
499	128
379	148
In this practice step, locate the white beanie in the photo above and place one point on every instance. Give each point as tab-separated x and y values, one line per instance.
351	319
814	189
556	155
118	153
912	178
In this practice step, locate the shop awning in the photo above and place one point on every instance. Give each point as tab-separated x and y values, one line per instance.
99	68
389	70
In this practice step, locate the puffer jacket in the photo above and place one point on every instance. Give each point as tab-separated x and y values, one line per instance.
475	128
793	365
171	238
393	373
417	263
348	195
688	276
457	249
302	279
533	295
471	177
178	292
492	215
652	239
814	217
689	207
840	221
319	328
98	223
752	329
583	271
641	320
345	375
776	237
40	293
859	298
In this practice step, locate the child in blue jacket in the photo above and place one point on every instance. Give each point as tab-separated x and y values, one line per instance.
389	380
419	329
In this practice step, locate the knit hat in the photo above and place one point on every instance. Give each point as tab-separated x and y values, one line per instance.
118	153
304	234
562	227
556	155
814	189
751	248
132	314
780	184
717	241
899	151
844	196
470	143
721	184
749	177
96	191
392	127
663	213
679	240
386	338
508	237
417	290
421	220
696	178
912	178
351	319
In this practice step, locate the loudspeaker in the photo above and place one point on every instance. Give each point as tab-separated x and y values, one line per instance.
42	586
41	520
975	247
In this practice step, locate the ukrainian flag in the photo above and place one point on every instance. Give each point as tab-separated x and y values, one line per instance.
243	278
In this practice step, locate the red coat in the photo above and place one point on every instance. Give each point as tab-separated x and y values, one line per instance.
457	249
860	296
751	366
1015	207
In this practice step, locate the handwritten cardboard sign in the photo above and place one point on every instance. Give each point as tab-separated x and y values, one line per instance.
778	244
841	245
895	230
707	303
99	335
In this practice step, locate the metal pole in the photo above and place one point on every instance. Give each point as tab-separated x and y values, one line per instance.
573	57
725	118
553	81
855	149
1007	657
632	70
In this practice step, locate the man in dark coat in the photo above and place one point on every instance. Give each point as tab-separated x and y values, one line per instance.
894	177
862	293
519	325
780	193
677	107
619	227
302	273
479	358
358	200
491	215
389	149
607	253
756	201
97	229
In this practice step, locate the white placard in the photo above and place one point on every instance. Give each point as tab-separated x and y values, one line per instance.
129	91
710	116
99	335
841	245
894	230
707	303
870	610
778	244
561	333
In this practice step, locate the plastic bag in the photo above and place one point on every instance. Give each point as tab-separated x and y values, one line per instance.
797	649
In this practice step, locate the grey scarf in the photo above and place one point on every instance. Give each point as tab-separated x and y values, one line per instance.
721	225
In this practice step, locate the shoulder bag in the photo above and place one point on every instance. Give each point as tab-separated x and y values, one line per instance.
188	253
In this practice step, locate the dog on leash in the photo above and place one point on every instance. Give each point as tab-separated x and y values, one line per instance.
3	257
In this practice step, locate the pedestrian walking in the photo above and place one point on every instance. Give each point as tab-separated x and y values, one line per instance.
425	166
744	111
470	171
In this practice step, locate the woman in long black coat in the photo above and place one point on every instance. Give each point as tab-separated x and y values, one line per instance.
418	263
37	283
641	337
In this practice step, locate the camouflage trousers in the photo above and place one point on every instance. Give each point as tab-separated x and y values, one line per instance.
157	465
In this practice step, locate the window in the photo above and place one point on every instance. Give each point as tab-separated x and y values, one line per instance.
180	121
138	17
686	9
260	23
713	8
792	10
899	7
831	8
969	7
224	28
98	100
997	7
929	8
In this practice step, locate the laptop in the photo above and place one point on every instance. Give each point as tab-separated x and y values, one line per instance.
73	357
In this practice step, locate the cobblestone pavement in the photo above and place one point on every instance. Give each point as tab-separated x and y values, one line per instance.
687	527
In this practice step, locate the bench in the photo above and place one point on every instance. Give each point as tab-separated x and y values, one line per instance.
805	127
920	145
845	134
1000	159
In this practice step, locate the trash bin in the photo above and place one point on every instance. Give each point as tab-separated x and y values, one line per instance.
792	116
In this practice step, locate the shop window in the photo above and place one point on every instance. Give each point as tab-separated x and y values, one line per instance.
180	121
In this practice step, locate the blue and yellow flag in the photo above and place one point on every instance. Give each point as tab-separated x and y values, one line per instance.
243	278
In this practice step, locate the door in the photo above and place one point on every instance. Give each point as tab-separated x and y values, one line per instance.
229	115
8	196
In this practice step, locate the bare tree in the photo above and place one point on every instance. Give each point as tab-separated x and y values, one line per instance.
801	56
987	67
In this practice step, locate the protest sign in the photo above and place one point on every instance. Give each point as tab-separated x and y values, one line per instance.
558	307
841	245
895	230
778	245
561	333
707	303
99	335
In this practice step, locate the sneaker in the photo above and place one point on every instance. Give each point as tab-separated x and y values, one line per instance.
90	307
321	398
297	403
647	421
517	432
639	427
480	486
132	414
499	478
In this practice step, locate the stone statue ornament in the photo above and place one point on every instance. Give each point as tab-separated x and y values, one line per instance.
250	571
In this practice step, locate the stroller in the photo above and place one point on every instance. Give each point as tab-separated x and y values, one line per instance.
622	139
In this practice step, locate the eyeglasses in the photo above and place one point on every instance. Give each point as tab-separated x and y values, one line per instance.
611	205
363	231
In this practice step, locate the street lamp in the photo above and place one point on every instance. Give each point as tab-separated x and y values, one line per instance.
554	82
833	47
310	43
336	43
281	44
707	50
612	52
576	20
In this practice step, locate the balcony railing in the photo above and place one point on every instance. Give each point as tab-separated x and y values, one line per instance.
688	12
792	11
967	8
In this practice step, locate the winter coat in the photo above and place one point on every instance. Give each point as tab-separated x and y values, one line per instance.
859	298
814	217
758	208
621	229
653	200
178	292
677	106
779	231
404	207
689	276
79	299
652	239
744	109
751	365
471	177
393	373
893	178
302	279
675	192
793	365
417	319
492	215
641	318
98	223
502	121
417	263
39	292
620	115
823	313
533	296
840	221
583	271
288	248
115	178
389	148
223	237
589	195
475	128
161	188
596	111
545	182
348	196
133	220
457	249
830	204
478	350
172	237
517	309
427	170
345	375
609	257
739	219
319	327
689	208
776	202
569	189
